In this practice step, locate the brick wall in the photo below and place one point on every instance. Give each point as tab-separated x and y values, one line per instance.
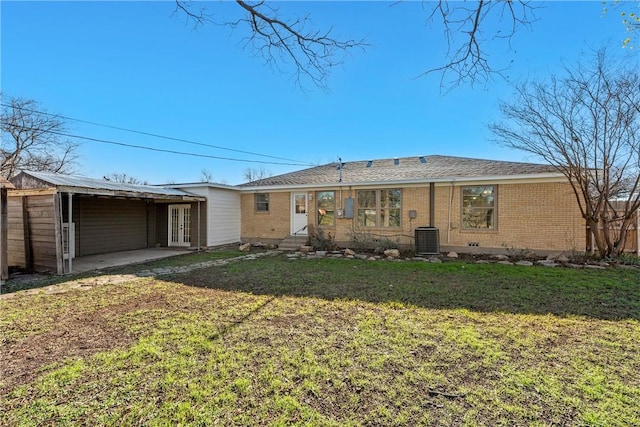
529	216
413	198
266	226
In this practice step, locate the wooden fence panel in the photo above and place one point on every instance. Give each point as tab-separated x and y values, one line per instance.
631	243
15	235
42	237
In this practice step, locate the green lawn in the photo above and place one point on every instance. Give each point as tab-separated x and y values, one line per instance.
337	342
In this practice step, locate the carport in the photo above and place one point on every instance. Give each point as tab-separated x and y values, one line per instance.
55	218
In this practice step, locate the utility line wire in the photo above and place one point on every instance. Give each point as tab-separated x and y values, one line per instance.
162	150
170	138
182	153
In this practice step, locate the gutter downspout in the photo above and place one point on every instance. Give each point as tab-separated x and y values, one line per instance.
432	204
449	212
638	232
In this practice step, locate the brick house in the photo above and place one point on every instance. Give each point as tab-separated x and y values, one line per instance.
474	205
432	203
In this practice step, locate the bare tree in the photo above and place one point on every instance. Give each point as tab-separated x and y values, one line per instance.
32	140
124	178
585	122
206	175
252	174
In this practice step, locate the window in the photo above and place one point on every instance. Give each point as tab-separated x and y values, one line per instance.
262	202
326	207
300	202
379	208
478	207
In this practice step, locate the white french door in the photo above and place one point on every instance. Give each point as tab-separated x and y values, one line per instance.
179	225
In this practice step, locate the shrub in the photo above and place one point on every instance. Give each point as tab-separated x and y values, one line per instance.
361	241
625	259
320	241
385	243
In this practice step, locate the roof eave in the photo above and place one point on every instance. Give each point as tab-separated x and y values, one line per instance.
454	179
129	194
202	185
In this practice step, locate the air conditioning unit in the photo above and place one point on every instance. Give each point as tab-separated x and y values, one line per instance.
427	240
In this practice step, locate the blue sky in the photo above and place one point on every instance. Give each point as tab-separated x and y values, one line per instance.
139	66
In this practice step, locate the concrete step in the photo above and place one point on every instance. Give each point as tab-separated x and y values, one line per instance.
292	243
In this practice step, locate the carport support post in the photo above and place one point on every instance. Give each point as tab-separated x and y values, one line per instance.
69	237
198	224
4	268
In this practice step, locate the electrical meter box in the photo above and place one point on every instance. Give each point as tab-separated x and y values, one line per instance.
348	208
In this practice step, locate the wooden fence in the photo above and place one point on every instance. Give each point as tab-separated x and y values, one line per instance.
631	243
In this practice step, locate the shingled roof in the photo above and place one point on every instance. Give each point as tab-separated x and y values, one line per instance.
406	169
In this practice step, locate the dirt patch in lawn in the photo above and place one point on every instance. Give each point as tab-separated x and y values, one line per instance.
82	284
80	335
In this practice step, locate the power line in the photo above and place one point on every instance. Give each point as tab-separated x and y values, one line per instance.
170	138
162	150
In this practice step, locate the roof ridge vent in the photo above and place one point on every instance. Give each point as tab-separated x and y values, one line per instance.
369	163
396	161
422	159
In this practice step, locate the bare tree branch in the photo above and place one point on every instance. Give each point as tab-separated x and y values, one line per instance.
467	59
206	175
470	28
29	140
252	174
312	53
124	178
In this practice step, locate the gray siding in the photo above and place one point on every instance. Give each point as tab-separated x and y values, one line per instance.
162	225
110	225
151	226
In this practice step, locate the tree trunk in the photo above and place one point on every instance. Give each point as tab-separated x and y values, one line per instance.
597	237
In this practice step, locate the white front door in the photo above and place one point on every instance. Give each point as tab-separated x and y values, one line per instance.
179	225
299	213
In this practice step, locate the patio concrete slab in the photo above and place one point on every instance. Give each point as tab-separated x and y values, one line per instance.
115	259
